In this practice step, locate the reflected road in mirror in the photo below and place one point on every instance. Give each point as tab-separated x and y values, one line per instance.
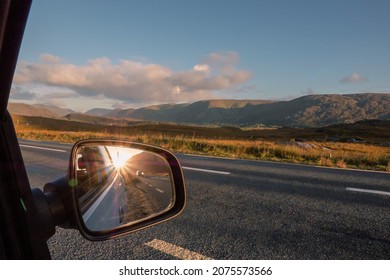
118	186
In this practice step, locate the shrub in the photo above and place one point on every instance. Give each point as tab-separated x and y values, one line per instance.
341	163
325	162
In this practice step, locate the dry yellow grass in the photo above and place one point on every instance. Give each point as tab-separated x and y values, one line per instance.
342	155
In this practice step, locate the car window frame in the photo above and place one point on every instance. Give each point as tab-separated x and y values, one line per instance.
20	236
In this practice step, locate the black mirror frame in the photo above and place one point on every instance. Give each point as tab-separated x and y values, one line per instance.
179	190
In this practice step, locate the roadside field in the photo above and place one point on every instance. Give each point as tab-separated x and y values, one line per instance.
309	146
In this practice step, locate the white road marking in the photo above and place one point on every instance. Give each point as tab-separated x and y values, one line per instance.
175	251
43	148
159	190
343	169
206	170
91	210
368	191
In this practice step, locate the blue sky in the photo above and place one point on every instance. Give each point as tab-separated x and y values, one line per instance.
121	54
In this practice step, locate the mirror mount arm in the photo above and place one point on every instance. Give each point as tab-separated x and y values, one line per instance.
59	196
54	206
47	225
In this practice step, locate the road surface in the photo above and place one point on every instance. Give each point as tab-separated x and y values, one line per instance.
239	209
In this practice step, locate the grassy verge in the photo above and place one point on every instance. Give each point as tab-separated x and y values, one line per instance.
342	155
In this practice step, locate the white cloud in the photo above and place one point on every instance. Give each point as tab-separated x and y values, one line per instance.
48	58
353	78
56	102
135	82
20	93
176	90
223	62
202	68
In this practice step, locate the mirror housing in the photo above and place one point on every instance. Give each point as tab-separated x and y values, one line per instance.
119	188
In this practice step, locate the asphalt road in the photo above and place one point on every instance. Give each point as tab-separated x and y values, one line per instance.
238	209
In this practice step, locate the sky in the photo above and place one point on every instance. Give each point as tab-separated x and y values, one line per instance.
134	53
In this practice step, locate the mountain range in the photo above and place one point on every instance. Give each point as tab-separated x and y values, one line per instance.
306	111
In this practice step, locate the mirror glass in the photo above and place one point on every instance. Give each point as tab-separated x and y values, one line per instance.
118	186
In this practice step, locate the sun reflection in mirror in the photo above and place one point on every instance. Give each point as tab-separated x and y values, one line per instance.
120	155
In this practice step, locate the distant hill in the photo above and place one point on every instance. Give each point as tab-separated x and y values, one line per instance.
38	110
164	113
321	110
206	112
306	111
30	110
98	112
55	109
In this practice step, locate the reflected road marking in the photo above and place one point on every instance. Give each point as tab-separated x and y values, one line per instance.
96	204
175	251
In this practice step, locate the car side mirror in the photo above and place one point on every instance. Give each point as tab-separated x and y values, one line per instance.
113	188
110	195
